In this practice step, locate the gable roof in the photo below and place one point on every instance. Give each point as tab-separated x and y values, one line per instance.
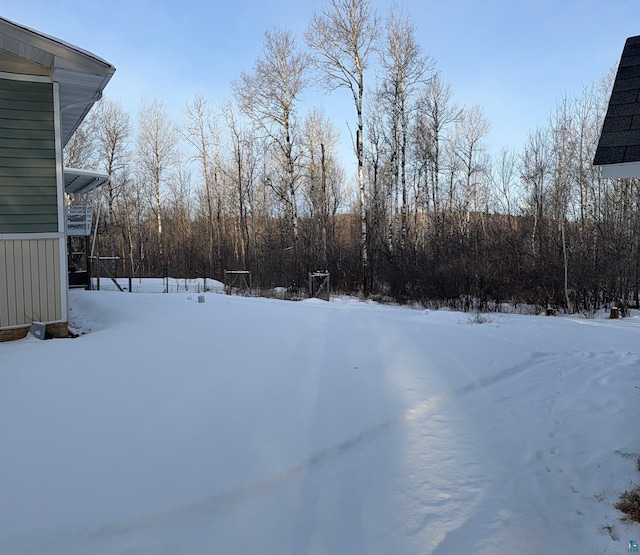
81	76
618	149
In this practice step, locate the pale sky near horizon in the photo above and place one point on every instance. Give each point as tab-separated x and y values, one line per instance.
515	59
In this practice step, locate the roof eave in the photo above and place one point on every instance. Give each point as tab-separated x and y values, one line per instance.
81	75
628	170
58	47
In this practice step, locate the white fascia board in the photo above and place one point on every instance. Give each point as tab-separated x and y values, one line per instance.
62	209
23	236
629	170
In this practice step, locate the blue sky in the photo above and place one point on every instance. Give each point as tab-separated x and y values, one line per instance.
514	58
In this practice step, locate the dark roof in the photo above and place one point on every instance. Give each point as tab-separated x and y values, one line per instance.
620	138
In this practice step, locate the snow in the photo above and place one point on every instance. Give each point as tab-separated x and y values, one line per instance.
261	426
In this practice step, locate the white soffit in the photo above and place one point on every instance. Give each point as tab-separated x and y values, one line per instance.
629	170
82	181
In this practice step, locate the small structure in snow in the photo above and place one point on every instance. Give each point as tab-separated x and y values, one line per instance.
319	285
237	280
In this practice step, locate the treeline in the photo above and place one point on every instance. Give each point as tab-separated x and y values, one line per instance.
255	182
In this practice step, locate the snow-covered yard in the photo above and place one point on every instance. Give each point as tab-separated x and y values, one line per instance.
256	426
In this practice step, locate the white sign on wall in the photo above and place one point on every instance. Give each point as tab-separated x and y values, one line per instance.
79	220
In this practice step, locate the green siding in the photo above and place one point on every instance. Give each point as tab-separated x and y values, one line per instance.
28	185
7	143
23	94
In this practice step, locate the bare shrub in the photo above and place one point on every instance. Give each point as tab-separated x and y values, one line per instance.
629	504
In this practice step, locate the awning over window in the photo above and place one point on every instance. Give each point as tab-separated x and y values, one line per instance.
82	181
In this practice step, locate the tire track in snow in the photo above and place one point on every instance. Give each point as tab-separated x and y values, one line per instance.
438	400
227	499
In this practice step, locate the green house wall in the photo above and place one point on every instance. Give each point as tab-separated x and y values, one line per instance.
28	186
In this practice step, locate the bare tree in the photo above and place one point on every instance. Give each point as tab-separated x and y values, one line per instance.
535	172
200	130
505	179
179	212
380	201
157	153
268	97
113	132
404	68
436	113
471	130
322	178
80	151
239	171
565	163
344	35
473	197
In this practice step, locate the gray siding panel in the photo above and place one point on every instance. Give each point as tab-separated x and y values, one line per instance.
13	200
24	173
13	90
28	185
30	288
34	106
38	186
38	224
26	111
26	162
14	143
28	279
4	289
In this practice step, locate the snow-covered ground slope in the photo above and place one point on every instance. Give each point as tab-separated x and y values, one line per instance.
256	426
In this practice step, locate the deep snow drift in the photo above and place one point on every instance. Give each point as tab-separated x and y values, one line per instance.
256	426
